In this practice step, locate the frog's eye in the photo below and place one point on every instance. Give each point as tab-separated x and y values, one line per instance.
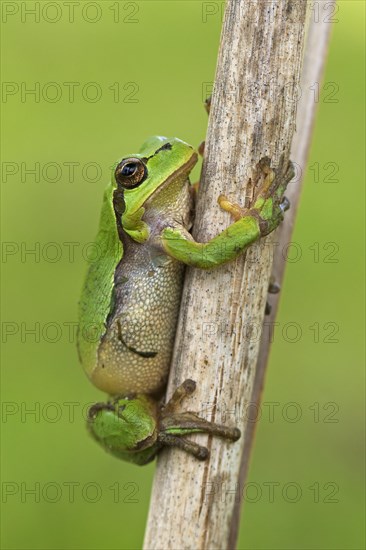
130	172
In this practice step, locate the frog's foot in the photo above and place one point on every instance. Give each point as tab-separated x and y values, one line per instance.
269	202
273	288
208	104
187	388
285	204
273	184
201	148
194	449
174	426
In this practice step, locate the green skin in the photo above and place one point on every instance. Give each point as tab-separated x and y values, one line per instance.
130	300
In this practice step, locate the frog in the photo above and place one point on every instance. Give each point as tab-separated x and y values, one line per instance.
129	305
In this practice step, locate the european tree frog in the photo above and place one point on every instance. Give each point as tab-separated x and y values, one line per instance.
130	301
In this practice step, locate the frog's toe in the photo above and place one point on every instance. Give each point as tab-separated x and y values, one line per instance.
285	204
208	104
189	386
273	287
202	453
264	164
201	148
234	209
290	172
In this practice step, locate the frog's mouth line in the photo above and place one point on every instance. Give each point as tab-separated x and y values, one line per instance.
185	167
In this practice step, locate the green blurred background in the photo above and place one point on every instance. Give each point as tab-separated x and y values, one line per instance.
305	484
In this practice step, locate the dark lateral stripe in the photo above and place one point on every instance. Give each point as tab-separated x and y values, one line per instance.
167	146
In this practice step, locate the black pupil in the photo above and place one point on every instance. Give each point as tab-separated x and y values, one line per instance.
129	169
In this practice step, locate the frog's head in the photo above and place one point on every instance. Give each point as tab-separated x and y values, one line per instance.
139	177
126	427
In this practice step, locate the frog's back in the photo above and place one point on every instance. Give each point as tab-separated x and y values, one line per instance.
95	301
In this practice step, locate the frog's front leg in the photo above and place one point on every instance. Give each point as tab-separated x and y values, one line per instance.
251	224
173	425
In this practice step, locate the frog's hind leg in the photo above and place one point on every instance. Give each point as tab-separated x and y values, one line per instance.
173	426
190	447
182	391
